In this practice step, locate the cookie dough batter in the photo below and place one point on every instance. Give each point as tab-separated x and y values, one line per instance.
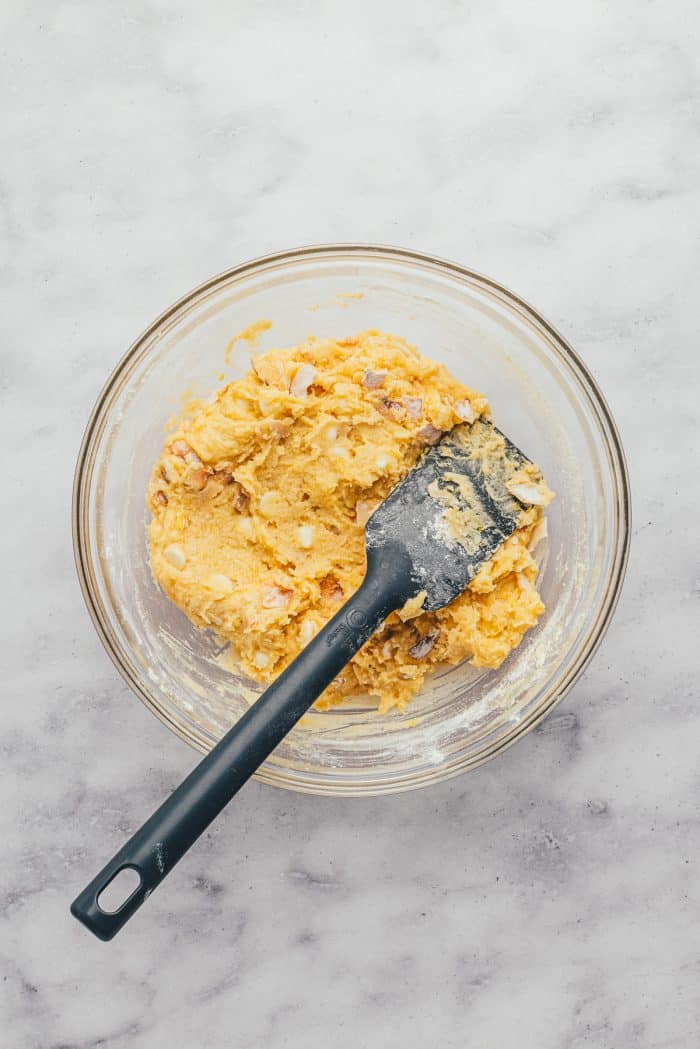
260	497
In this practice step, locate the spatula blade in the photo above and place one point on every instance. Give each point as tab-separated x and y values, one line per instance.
453	510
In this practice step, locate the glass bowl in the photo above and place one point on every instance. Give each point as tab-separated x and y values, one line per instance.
542	396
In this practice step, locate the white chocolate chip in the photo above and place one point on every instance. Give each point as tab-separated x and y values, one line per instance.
305	535
309	629
267	407
175	555
220	582
268	503
246	526
464	411
304	376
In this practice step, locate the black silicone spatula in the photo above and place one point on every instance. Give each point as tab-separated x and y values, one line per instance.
430	536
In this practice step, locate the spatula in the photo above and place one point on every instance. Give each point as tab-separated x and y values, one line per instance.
429	537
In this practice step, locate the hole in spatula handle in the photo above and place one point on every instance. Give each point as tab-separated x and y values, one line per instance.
110	899
119	890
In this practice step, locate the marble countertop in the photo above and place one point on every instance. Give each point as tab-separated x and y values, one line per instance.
548	900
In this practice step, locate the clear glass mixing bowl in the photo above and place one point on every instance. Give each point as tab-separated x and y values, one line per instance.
542	396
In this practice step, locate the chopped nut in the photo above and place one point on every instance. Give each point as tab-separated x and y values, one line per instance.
372	380
162	498
240	498
196	479
309	629
414	407
276	597
421	648
175	555
190	457
181	449
305	375
197	475
430	434
260	660
331	590
246	526
305	535
394	409
363	511
218	581
463	410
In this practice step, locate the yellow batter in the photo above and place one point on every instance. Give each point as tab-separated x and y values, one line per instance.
259	501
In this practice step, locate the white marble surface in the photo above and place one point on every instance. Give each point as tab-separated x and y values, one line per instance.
549	900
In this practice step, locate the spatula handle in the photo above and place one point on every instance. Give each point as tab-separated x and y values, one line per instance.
155	849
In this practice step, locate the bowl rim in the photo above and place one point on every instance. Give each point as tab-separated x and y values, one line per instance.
596	630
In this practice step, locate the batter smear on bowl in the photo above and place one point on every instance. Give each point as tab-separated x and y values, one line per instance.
260	497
